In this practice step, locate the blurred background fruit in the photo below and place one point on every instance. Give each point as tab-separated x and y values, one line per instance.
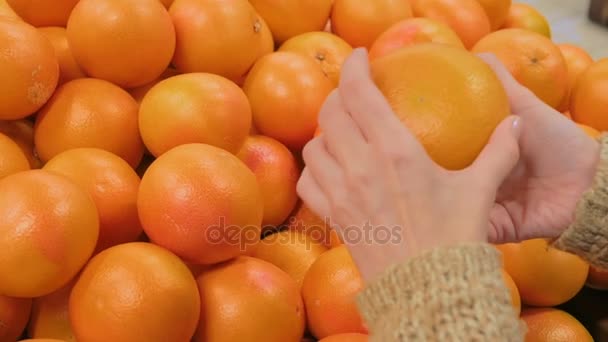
577	61
50	315
14	314
68	67
12	159
497	11
138	93
547	324
43	12
524	16
589	98
22	133
304	220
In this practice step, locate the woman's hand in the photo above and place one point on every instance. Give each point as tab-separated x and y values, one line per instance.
558	163
370	176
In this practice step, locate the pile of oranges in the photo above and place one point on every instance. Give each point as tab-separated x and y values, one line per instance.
150	150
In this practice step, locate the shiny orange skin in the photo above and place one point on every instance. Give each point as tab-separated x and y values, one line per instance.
234	37
202	203
43	12
50	317
453	125
128	43
592	132
286	91
51	226
194	108
248	299
533	59
29	73
12	158
135	292
548	324
577	61
329	290
289	18
113	185
325	48
89	112
22	133
545	276
304	220
589	101
466	17
597	278
527	17
14	314
138	93
290	250
68	67
361	22
513	291
413	31
497	11
352	337
277	173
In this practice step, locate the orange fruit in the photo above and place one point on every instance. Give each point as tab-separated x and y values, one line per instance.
51	225
286	91
289	18
113	185
497	11
277	173
577	61
109	39
413	31
548	324
526	17
247	299
14	314
532	59
167	3
138	93
292	251
453	125
545	276
597	278
329	290
360	23
68	67
135	292
588	101
44	12
325	48
50	317
89	112
304	220
12	158
202	203
42	340
22	133
234	37
466	17
7	11
515	298
29	72
567	114
354	337
592	132
194	108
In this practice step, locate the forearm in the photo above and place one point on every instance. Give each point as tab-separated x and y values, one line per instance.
448	294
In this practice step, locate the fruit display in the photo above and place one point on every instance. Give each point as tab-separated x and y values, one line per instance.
150	152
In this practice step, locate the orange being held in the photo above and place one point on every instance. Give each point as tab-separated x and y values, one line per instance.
360	23
497	11
545	276
138	93
348	337
128	43
68	67
51	225
577	61
14	315
513	291
248	299
588	102
113	185
277	173
12	158
202	203
194	108
413	31
325	48
44	12
329	290
304	220
533	59
549	324
453	125
22	133
89	112
232	33
50	315
289	18
135	292
597	278
592	132
286	91
30	71
525	16
466	17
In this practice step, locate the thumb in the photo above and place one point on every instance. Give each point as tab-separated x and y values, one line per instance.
501	154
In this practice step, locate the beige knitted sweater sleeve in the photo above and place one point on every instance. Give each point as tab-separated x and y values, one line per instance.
458	293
